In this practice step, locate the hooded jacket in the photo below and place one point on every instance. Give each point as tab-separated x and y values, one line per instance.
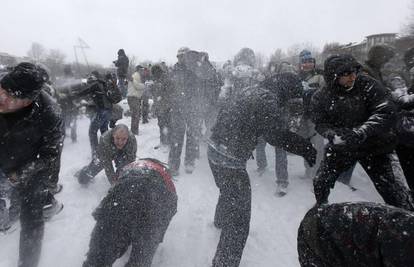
122	64
365	107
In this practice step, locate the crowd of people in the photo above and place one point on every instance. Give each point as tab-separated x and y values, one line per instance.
349	112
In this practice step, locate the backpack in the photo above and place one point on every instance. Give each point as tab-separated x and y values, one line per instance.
113	93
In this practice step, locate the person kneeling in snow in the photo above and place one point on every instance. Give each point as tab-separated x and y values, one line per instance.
356	234
118	145
137	211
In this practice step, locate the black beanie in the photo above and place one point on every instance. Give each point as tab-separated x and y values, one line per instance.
24	81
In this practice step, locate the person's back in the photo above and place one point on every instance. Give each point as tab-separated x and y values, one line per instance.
137	211
356	234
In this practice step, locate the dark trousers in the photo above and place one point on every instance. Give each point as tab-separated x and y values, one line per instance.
110	240
406	157
141	220
378	167
232	214
145	108
32	200
135	107
181	125
164	123
100	122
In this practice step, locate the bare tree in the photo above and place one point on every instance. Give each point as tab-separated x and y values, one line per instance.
330	49
36	52
278	56
55	61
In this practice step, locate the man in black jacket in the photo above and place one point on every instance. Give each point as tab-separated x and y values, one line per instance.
97	90
137	212
253	113
356	234
31	140
354	112
186	112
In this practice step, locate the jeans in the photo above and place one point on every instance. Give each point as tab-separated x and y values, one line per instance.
123	86
100	122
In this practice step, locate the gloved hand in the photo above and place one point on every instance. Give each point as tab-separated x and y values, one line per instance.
353	138
310	156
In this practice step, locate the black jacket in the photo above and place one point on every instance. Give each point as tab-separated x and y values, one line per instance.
31	141
367	107
122	66
143	202
254	112
356	234
97	90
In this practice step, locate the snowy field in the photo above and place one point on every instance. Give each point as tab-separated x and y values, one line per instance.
191	238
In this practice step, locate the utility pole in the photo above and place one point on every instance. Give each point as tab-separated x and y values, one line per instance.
82	45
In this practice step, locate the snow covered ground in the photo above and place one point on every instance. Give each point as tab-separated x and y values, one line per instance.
191	238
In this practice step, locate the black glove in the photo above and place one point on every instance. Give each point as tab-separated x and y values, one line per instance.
310	156
353	139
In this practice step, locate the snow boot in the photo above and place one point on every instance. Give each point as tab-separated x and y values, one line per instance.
281	190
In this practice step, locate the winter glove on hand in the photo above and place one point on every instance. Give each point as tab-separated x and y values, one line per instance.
330	134
353	138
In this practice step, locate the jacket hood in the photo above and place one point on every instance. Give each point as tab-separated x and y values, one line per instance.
336	65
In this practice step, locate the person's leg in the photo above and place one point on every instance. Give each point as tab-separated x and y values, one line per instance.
145	109
381	171
163	124
234	207
192	145
281	168
133	106
32	225
406	156
334	163
177	141
143	249
109	241
93	133
104	120
261	159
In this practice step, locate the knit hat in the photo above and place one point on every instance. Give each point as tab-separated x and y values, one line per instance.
306	56
24	81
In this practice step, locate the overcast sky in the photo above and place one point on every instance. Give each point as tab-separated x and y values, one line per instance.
155	29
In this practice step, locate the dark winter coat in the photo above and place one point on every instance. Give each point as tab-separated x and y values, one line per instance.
136	211
187	94
122	64
405	122
366	107
162	92
253	113
108	152
356	234
31	141
144	202
97	90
